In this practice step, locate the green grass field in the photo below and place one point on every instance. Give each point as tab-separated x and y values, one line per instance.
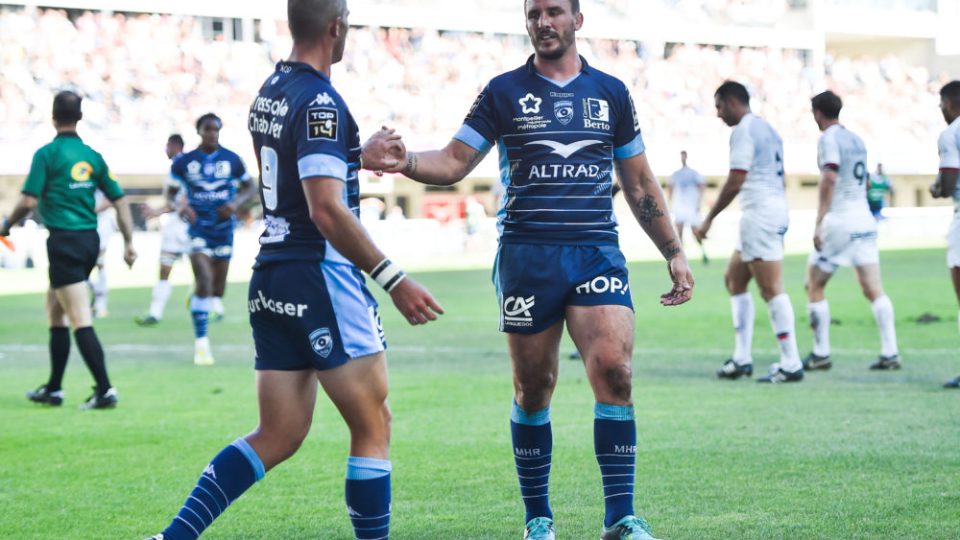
848	453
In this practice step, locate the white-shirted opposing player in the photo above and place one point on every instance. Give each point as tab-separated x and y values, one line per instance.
946	184
106	226
756	172
685	190
846	235
174	243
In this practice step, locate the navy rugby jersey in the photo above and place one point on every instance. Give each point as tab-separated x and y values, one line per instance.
210	181
301	128
557	143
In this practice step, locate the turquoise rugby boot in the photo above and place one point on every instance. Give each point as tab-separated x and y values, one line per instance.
539	528
628	528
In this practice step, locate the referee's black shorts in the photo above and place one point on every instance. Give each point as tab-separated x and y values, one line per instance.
72	254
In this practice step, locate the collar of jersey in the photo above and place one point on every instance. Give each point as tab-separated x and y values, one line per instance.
584	67
303	67
68	134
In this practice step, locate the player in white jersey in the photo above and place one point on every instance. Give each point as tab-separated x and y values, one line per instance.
946	184
756	172
174	240
106	226
685	191
846	235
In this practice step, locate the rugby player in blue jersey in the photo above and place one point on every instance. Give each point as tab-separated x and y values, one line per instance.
313	318
561	127
216	184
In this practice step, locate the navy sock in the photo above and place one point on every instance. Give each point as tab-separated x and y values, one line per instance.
59	353
199	310
532	449
236	468
615	442
368	497
92	354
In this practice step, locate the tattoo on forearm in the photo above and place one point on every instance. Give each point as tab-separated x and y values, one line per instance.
648	210
474	161
411	166
669	250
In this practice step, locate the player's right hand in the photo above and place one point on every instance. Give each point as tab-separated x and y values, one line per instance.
383	151
935	190
701	232
415	302
188	214
682	279
129	255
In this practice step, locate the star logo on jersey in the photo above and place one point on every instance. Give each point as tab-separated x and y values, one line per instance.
322	100
530	104
563	110
565	150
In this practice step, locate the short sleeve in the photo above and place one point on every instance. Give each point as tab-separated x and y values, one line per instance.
828	153
107	183
479	128
177	173
627	140
741	149
240	170
701	180
321	137
37	178
949	150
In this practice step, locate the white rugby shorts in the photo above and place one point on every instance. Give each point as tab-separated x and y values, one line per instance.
846	240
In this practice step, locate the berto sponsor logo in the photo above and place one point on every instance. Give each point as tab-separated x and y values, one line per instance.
322	342
596	114
516	310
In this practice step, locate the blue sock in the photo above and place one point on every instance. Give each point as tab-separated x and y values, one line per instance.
615	442
236	468
199	309
368	497
532	448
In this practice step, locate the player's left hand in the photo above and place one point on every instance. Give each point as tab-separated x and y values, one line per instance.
935	190
224	211
383	151
682	278
817	242
129	254
701	232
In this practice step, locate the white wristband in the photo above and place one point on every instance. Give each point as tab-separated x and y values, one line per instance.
387	275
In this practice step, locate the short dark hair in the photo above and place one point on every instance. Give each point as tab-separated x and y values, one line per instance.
66	107
828	103
209	116
175	139
735	90
951	92
307	18
574	6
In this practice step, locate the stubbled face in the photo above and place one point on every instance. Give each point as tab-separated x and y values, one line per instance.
210	133
725	111
950	113
173	149
341	42
552	27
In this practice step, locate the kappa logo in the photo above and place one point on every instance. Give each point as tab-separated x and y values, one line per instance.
516	310
322	100
353	513
530	104
563	110
322	342
565	150
210	472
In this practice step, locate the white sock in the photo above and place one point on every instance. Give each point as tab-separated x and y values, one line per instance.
741	307
819	313
100	286
217	305
784	328
161	293
202	343
883	312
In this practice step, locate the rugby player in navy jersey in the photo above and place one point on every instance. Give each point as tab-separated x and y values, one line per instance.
561	127
313	318
216	183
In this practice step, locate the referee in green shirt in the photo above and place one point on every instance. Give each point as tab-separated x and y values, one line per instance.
63	178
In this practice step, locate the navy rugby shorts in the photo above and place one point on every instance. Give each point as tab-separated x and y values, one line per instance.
311	315
216	244
535	283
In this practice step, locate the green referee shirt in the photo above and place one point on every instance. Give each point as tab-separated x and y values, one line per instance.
64	176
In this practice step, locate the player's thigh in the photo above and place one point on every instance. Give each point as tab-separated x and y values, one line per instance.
202	265
359	391
75	301
737	275
531	287
769	276
604	335
870	282
286	400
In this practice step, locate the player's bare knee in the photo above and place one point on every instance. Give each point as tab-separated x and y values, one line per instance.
616	375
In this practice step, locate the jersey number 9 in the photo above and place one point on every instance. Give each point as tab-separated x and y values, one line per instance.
268	176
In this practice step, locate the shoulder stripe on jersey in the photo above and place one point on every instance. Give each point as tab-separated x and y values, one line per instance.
472	138
742	171
631	149
831	166
324	165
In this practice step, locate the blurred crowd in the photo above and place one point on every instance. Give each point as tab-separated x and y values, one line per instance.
145	76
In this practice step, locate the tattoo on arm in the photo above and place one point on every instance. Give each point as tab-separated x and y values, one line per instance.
474	161
669	250
411	166
648	210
